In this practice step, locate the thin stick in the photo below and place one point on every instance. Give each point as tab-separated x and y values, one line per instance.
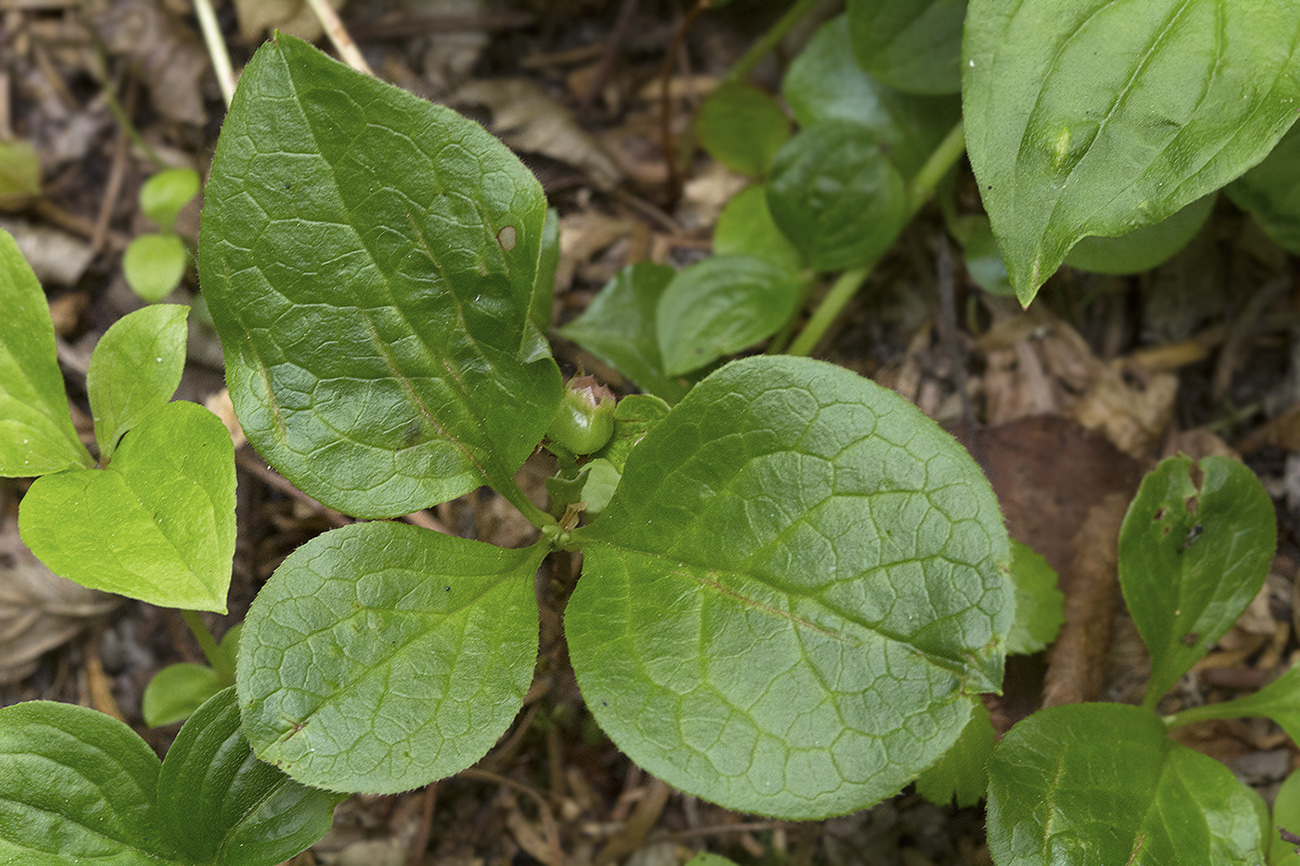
338	34
216	44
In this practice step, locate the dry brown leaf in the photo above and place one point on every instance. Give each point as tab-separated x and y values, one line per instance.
39	610
529	119
258	18
220	404
166	52
56	257
1133	410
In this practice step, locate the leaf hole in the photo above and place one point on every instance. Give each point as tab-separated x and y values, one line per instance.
507	237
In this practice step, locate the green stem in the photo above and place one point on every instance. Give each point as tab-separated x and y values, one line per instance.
922	187
207	642
769	40
516	497
119	114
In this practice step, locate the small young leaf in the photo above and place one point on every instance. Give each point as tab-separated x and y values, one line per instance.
164	195
153	265
176	691
618	326
1286	816
962	773
825	82
794	594
1192	555
913	46
77	786
20	174
1279	701
745	228
381	656
1143	248
742	128
158	524
720	305
223	806
36	432
1040	606
134	370
1271	191
836	195
984	261
371	262
636	415
1088	117
1102	785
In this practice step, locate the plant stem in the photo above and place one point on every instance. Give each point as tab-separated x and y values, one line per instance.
216	48
207	642
768	41
508	488
339	35
941	160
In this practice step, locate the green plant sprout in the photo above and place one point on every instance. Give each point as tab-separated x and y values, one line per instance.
795	586
155	262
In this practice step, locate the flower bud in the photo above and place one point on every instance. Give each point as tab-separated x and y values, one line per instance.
585	420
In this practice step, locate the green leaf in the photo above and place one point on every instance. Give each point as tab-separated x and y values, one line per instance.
962	773
370	261
1193	553
153	265
794	594
1286	814
745	228
825	82
176	691
1102	785
164	195
1271	191
1088	117
36	432
836	195
225	807
134	370
720	305
634	417
77	786
984	261
20	174
1143	248
913	46
704	858
1040	606
618	327
158	524
1279	701
742	127
381	656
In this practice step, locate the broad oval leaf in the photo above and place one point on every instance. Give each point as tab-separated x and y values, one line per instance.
176	691
77	786
742	127
135	369
1143	248
1093	117
836	195
164	195
158	524
1193	553
381	656
913	45
1102	785
225	807
1271	191
825	82
36	432
153	265
745	228
794	594
618	327
720	305
370	261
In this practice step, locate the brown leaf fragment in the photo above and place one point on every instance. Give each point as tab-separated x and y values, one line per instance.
165	52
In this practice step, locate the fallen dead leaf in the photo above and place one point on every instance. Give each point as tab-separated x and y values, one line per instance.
166	52
258	18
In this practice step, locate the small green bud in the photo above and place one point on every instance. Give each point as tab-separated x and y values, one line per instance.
585	420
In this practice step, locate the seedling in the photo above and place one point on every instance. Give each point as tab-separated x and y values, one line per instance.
155	262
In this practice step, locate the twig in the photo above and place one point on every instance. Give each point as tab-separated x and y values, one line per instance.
112	189
668	141
421	841
216	45
338	34
612	45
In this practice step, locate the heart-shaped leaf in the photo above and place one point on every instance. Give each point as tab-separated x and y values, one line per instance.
720	305
913	46
836	195
825	82
370	261
158	524
153	265
1090	117
224	806
1192	555
794	594
381	656
36	432
134	370
1102	784
164	195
